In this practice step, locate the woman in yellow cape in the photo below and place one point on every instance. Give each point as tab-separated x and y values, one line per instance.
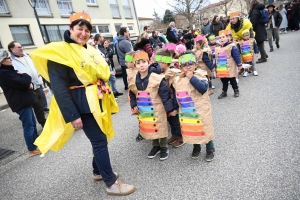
82	98
237	25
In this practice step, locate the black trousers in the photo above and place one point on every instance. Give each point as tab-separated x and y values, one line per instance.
38	108
261	48
232	82
124	75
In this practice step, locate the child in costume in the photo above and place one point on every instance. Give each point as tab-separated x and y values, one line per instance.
204	57
248	49
131	72
150	96
164	58
172	48
227	58
212	43
194	106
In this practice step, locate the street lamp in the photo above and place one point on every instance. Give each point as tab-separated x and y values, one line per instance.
33	3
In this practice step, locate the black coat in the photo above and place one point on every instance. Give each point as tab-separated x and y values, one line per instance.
277	18
16	88
258	28
171	37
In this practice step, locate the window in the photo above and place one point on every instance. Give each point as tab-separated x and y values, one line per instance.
3	7
21	34
91	2
42	7
65	7
101	29
130	28
114	7
54	33
118	27
126	8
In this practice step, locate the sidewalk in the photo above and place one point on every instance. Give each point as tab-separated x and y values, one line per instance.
3	102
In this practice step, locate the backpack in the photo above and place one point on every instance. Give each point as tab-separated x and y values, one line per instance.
264	19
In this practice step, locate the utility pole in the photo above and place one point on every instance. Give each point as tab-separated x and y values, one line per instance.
33	3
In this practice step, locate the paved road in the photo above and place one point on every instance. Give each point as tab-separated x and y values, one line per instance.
257	148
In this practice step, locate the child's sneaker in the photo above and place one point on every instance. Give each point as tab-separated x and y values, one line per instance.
255	73
222	95
154	151
164	153
245	74
196	152
139	138
120	189
209	155
172	140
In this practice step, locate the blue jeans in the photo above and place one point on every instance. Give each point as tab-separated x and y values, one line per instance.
112	82
101	160
29	127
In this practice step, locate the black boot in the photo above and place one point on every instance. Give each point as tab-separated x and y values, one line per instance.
277	45
271	50
236	93
222	95
196	151
261	61
139	138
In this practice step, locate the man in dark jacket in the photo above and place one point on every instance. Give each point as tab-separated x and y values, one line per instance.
18	91
155	40
273	26
206	27
123	46
260	31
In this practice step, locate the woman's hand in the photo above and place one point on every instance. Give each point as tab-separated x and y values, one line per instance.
31	86
77	124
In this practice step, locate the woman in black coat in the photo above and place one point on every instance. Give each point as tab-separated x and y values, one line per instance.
17	88
170	36
258	28
216	25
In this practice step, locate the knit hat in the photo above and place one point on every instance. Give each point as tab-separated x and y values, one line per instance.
211	37
245	31
4	54
198	38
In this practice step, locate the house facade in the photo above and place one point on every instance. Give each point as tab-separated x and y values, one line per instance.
18	21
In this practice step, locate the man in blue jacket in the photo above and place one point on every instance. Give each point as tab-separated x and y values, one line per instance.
123	46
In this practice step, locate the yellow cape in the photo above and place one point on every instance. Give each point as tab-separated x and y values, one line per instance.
89	66
239	35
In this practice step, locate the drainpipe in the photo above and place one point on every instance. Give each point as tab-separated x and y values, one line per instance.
136	17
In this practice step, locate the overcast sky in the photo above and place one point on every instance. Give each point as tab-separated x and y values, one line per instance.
144	8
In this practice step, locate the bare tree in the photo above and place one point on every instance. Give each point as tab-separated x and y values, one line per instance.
186	8
225	6
243	6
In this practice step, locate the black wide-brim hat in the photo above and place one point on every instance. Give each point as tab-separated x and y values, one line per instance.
270	6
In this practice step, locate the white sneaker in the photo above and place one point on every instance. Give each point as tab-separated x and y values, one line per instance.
120	189
285	32
255	73
237	80
280	32
245	74
213	87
